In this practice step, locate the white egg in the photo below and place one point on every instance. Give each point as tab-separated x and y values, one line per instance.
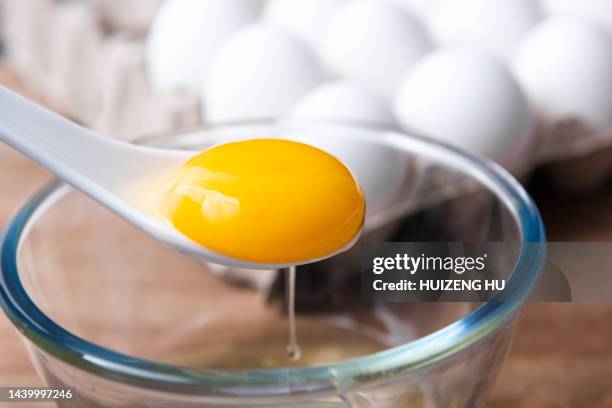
495	26
185	36
344	101
374	43
468	99
307	19
260	73
423	9
597	11
565	66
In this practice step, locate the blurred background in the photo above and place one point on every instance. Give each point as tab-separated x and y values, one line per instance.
525	83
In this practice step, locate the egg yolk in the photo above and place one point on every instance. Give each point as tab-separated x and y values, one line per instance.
266	201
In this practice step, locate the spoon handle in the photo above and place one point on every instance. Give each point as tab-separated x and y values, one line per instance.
47	137
78	155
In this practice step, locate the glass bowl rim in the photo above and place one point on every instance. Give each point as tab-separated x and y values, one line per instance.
34	325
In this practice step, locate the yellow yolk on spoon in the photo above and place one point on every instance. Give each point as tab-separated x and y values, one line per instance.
267	201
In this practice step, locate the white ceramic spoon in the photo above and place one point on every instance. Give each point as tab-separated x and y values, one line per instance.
101	167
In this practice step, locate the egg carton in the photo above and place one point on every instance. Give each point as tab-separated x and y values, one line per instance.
86	57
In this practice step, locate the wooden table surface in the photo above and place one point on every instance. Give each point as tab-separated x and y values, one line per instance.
562	354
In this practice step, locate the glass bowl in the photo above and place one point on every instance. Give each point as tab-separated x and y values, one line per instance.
125	321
